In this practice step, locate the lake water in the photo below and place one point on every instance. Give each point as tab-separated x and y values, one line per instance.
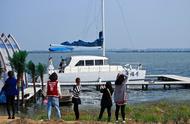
177	63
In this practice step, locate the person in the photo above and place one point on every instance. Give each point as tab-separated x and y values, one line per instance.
53	92
120	96
62	66
76	99
10	91
106	101
50	66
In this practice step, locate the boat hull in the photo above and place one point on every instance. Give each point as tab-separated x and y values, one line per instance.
95	78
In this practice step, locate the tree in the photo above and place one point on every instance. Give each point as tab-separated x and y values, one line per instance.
41	69
31	69
18	62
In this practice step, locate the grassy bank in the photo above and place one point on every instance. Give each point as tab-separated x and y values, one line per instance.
161	112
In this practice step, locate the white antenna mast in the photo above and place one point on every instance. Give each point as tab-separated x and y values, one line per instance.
103	28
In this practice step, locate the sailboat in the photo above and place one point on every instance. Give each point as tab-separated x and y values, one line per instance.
94	70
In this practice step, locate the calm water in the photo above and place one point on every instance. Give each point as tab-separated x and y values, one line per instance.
155	63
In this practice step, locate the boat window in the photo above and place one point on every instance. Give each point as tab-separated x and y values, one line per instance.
98	62
80	63
89	62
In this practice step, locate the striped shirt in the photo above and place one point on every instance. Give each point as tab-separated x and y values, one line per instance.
76	91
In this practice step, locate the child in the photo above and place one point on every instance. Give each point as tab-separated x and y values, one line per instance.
106	101
76	99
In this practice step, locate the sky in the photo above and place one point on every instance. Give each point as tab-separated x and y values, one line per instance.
133	24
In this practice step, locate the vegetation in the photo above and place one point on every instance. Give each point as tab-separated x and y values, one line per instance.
18	62
31	69
41	69
162	112
1	71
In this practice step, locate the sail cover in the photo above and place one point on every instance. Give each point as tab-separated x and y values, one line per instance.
59	48
96	43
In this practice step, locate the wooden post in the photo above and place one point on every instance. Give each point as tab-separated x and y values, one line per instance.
146	86
169	86
97	87
164	86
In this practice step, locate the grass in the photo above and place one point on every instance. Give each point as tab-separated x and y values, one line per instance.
162	112
159	112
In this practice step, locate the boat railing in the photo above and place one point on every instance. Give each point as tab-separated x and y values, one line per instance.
107	68
133	66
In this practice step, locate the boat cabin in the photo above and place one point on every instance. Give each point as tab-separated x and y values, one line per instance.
75	61
88	64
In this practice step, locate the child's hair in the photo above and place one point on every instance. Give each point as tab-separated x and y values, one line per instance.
77	79
120	79
109	85
53	77
10	74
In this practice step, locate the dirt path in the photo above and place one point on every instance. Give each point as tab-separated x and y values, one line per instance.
4	120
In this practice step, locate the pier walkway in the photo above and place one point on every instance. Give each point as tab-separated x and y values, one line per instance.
29	92
149	80
165	80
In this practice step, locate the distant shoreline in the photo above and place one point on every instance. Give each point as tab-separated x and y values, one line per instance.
123	50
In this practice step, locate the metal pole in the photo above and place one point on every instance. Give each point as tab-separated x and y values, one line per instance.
103	28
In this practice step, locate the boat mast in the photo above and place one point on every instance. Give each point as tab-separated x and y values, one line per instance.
103	28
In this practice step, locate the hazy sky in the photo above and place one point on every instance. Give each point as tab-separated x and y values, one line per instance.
129	23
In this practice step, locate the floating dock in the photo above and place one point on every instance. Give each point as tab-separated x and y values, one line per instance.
149	80
165	80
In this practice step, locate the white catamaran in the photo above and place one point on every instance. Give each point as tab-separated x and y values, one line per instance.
95	69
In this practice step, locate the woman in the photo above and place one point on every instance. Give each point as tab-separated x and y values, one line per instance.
10	91
76	99
106	101
120	96
53	92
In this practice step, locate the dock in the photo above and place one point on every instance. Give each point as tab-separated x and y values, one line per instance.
149	80
29	94
166	80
